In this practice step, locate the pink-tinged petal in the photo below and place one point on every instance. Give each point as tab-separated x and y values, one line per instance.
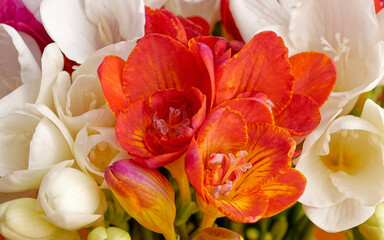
164	22
15	14
160	62
204	25
131	125
145	194
261	66
110	74
269	150
194	167
252	110
247	206
224	131
283	191
300	117
217	233
315	75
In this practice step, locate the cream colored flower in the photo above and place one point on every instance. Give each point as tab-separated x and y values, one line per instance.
345	171
95	149
70	198
19	220
31	142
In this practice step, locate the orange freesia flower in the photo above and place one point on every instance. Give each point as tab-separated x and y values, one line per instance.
145	194
159	97
217	233
243	171
292	88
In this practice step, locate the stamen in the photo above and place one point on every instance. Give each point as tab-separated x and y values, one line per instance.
342	48
104	31
173	127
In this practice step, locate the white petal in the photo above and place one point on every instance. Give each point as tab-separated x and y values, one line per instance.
207	9
16	131
85	27
19	220
374	114
48	146
22	180
52	63
319	192
19	72
69	197
155	3
252	15
313	19
43	111
68	25
121	49
345	215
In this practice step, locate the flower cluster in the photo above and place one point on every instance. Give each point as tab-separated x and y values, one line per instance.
144	118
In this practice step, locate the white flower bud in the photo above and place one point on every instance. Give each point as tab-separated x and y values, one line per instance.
19	220
70	198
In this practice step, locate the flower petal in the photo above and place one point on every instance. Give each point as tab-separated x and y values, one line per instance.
261	66
252	110
300	117
315	75
217	233
342	216
160	62
283	191
224	131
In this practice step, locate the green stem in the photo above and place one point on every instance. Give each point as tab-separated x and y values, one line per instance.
177	170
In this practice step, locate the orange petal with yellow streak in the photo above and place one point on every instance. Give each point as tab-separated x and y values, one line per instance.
283	191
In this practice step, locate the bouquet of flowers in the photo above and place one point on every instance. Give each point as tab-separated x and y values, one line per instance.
191	119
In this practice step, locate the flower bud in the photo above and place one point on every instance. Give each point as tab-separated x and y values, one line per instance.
111	233
145	194
70	198
20	220
373	228
217	233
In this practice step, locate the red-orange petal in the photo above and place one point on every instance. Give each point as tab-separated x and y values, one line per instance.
224	131
315	75
261	66
247	206
252	110
228	21
194	167
110	74
300	117
160	62
283	191
131	125
164	22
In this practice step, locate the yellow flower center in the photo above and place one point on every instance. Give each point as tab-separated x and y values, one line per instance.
344	152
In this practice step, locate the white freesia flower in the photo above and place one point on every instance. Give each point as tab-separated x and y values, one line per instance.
30	144
111	233
207	9
70	198
79	99
81	27
19	220
347	31
344	170
95	149
20	74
